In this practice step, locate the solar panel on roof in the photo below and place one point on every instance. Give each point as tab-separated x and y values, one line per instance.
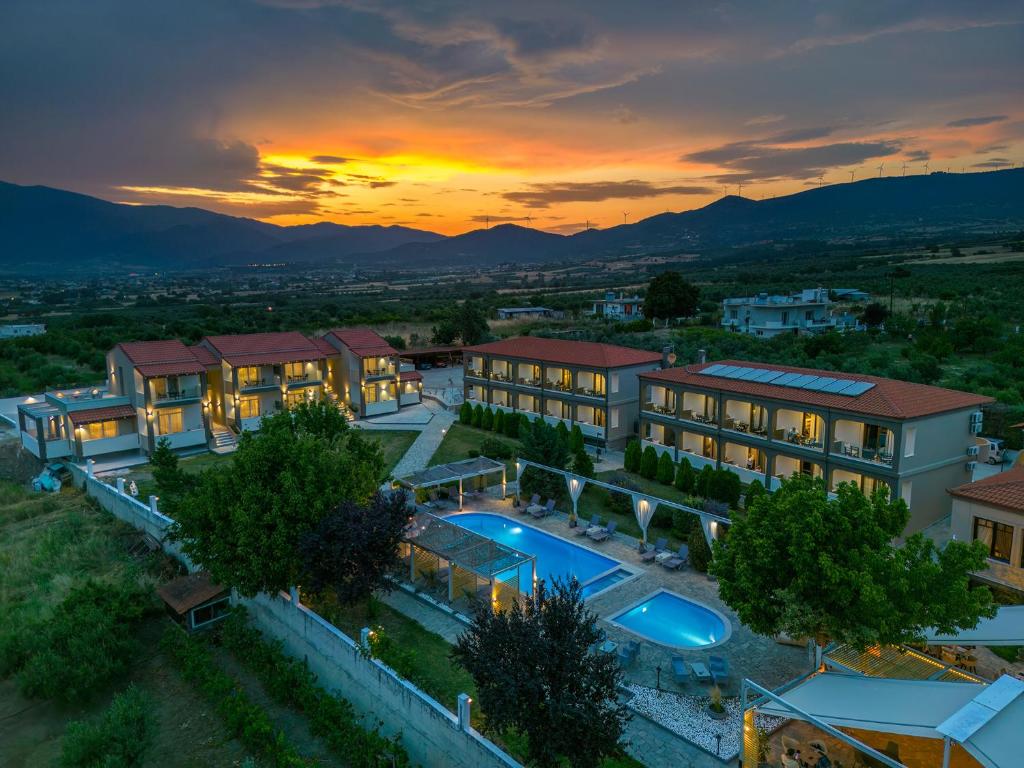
857	388
784	379
739	373
711	370
819	384
836	386
725	370
769	377
751	373
806	381
800	380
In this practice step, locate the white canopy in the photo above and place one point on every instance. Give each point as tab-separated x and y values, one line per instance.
1006	628
990	725
906	707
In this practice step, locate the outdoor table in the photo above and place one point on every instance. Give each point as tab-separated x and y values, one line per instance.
661	557
700	671
608	647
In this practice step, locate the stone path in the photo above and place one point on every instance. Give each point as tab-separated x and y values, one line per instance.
427	443
431	618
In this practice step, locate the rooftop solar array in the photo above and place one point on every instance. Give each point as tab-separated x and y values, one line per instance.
830	384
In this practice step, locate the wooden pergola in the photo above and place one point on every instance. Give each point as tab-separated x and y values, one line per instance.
454	472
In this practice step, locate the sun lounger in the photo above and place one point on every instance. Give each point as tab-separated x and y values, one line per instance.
533	505
628	653
600	534
544	511
679	670
719	669
657	549
678	560
582	528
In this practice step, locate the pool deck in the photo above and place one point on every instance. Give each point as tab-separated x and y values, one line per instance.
749	655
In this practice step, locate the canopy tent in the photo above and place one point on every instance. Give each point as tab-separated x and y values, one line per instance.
1005	628
454	472
990	726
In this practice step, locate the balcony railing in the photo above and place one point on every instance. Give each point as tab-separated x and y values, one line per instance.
476	373
175	395
659	408
558	385
265	382
529	382
386	371
741	426
795	438
501	377
587	392
862	453
699	418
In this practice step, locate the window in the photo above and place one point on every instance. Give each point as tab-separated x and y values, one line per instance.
248	407
294	371
170	421
370	394
615	383
615	418
906	488
101	429
248	376
909	441
207	613
997	537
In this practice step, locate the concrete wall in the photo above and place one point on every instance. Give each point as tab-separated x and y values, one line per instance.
962	528
430	733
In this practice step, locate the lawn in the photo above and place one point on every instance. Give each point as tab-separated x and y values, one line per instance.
460	440
192	465
394	443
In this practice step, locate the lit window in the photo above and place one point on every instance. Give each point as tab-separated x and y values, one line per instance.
997	538
170	421
248	376
98	430
294	371
248	407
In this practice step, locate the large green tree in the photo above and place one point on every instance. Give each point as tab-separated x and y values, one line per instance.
802	564
669	296
543	444
565	700
243	522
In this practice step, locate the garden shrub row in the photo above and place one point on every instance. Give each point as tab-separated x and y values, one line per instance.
290	682
244	719
119	737
500	422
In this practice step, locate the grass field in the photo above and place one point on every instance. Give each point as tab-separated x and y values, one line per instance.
394	443
460	440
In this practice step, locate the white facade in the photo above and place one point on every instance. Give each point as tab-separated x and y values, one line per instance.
25	329
763	315
619	307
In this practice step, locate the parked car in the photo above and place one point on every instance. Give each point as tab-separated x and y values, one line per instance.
995	450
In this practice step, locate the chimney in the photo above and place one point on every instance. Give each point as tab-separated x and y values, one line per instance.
702	356
668	356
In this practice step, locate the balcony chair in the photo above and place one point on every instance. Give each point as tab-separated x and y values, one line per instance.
534	504
544	511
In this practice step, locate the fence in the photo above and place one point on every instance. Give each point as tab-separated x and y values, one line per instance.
429	732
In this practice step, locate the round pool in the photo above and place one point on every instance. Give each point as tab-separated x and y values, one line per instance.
673	620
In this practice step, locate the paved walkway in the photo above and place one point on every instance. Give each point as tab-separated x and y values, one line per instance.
427	443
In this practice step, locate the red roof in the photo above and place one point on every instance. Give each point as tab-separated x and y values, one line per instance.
1005	490
187	592
264	348
363	342
205	356
410	376
102	414
563	351
161	358
889	398
324	346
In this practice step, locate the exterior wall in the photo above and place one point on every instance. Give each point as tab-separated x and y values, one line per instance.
124	442
964	512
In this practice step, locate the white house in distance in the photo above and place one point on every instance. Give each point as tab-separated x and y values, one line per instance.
619	307
527	313
15	331
805	312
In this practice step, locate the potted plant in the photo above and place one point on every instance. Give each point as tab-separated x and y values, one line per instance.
715	707
764	746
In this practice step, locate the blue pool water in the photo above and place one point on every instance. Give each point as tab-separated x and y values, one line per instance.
555	557
672	620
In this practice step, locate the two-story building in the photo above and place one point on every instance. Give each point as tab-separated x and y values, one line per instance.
991	511
618	307
367	375
577	382
806	312
256	374
767	422
78	424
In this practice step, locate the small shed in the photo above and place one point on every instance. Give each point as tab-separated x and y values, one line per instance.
194	601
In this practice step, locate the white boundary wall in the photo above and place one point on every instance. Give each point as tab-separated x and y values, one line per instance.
431	734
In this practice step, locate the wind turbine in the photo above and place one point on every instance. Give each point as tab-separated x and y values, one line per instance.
588	224
739	192
880	167
820	178
624	215
904	173
851	175
925	167
529	221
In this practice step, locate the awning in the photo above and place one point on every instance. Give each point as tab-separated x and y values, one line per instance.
905	707
1006	628
990	726
102	414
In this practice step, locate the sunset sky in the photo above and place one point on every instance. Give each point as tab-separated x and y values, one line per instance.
444	113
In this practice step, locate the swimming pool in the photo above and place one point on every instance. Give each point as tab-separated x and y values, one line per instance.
673	620
555	557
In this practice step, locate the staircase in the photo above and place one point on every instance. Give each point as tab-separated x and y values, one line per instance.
224	440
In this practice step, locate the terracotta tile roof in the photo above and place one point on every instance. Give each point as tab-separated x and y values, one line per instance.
205	356
161	358
1005	490
188	592
889	398
265	348
585	353
102	414
363	342
323	345
410	376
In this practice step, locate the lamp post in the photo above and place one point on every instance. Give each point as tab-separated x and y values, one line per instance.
658	671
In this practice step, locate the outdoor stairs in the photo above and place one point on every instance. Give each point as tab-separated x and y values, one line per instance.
224	440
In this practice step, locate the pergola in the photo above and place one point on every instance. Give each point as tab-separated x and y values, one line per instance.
472	561
643	504
456	471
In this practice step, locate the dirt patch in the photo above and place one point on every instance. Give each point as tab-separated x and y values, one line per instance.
16	464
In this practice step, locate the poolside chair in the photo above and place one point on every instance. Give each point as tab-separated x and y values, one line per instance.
678	560
659	547
544	511
600	534
719	669
582	528
679	670
534	504
628	653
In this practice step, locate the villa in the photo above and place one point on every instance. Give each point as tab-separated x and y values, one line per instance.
618	307
805	312
991	511
367	374
580	383
766	422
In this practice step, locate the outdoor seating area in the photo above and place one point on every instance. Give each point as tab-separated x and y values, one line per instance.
452	477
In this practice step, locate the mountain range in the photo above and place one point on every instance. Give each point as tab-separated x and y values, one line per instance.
41	228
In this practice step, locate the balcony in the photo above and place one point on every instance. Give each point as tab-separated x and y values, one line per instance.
305	380
860	453
185	439
259	384
378	372
699	418
697	461
475	373
590	430
746	475
592	393
102	445
501	376
176	396
529	382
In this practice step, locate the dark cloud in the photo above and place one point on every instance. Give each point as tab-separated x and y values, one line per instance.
545	195
918	155
381	184
967	122
995	162
753	161
292	179
797	135
328	159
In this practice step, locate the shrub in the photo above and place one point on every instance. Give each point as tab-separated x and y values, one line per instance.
582	464
649	463
495	449
119	737
703	480
755	490
662	517
512	426
621	502
466	413
576	442
700	552
499	422
684	476
682	523
563	433
487	420
478	415
725	486
715	507
524	425
666	469
631	463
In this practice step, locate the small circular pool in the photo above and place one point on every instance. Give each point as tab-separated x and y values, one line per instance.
673	620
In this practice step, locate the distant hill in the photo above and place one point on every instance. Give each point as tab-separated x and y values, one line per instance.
41	228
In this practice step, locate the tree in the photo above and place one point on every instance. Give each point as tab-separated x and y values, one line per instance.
120	736
700	552
874	314
512	425
754	490
499	422
168	476
666	469
702	483
565	701
684	476
582	464
670	296
320	418
808	566
478	415
563	434
487	419
243	522
725	486
398	342
466	413
576	442
542	444
631	462
649	463
350	551
471	323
